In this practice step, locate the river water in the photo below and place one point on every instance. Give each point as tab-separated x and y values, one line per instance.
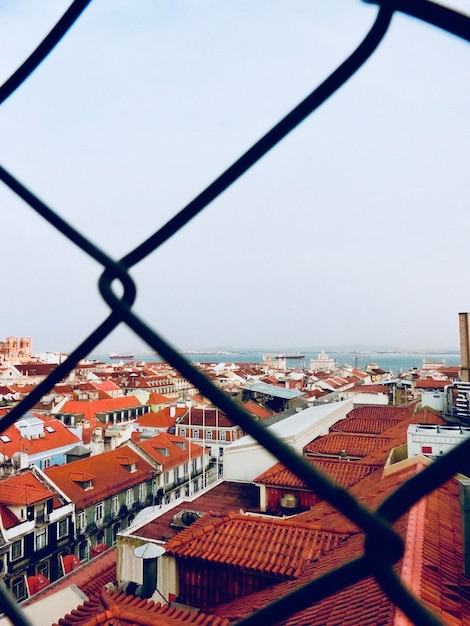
394	362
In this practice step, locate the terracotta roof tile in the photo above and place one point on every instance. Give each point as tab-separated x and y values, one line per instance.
356	605
257	409
208	417
279	548
353	445
429	383
431	566
370	425
56	435
177	449
346	473
89	408
118	609
117	476
23	489
165	418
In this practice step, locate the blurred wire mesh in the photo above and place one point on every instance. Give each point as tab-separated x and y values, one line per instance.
377	525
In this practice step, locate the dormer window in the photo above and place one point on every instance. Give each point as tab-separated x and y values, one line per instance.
83	479
128	463
163	451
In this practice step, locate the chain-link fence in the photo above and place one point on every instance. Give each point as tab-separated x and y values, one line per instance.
377	525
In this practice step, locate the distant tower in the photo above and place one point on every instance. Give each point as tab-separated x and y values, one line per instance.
464	347
11	347
25	346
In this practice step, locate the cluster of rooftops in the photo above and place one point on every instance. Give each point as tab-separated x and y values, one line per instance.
249	541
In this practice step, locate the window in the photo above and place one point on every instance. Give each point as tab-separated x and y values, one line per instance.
99	513
142	492
17	550
185	469
5	438
209	434
18	588
167	499
177	473
40	539
43	568
166	478
81	521
46	463
115	506
183	432
116	529
83	551
194	465
129	498
196	434
62	528
223	435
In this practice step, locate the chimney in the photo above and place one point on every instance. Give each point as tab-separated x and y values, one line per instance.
464	347
464	499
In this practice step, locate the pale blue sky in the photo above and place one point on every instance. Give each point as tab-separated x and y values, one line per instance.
354	230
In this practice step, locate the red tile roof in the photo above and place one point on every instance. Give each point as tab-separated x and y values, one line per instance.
373	426
374	389
257	410
176	454
429	383
255	544
104	385
165	418
116	478
353	445
113	608
56	435
206	417
431	567
23	489
159	398
89	408
346	473
362	604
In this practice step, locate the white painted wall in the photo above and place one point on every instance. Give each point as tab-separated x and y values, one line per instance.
437	439
433	399
245	459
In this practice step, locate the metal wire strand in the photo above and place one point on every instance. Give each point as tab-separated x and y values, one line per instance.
336	80
45	47
377	525
437	15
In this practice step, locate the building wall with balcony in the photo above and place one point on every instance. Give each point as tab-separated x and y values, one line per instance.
37	525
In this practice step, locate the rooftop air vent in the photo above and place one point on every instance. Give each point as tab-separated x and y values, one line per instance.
289	504
183	519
